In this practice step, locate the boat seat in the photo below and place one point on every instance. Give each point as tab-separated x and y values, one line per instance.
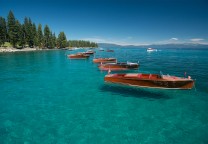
115	75
150	76
170	77
139	75
130	75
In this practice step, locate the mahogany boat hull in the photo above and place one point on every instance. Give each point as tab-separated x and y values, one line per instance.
119	66
104	60
150	82
78	56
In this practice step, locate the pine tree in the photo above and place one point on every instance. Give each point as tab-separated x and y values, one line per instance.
21	34
30	33
62	41
50	41
54	40
12	29
27	30
40	36
34	40
17	33
3	31
46	36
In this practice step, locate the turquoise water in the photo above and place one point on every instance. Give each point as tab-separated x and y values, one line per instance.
47	98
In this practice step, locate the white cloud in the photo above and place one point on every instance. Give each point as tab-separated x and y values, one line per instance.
128	38
196	39
168	41
174	39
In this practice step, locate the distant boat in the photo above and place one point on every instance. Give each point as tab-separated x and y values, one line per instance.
119	66
109	50
101	49
151	50
90	52
104	60
64	48
151	81
78	56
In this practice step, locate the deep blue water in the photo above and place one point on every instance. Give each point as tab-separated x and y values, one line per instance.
47	98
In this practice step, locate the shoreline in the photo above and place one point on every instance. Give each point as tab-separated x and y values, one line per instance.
27	49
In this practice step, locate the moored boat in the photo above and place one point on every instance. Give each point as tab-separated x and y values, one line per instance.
90	52
64	48
104	60
151	50
151	81
119	66
78	56
110	50
101	49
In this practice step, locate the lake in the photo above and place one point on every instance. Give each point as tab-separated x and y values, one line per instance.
47	98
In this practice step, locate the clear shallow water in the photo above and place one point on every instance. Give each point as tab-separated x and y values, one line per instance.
47	98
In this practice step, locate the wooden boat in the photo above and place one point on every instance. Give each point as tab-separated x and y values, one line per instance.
104	60
78	56
151	81
119	66
90	52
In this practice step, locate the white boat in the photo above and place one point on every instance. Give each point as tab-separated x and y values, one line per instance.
101	49
151	50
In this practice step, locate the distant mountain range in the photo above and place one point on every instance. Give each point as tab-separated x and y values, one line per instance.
185	45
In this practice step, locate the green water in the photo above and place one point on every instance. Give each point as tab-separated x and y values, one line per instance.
47	98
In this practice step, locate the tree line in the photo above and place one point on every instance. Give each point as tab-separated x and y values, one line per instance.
81	43
28	34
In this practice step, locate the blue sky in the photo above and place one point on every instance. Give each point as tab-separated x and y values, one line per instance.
118	21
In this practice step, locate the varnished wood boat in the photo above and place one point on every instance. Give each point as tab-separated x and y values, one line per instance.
104	60
78	56
151	81
119	66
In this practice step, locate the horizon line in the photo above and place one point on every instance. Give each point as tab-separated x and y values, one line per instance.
185	43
